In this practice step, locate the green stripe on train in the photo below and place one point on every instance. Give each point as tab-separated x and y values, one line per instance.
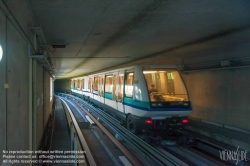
137	103
108	96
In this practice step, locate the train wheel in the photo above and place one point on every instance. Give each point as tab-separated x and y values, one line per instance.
131	124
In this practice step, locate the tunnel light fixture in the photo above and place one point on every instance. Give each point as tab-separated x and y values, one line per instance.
59	46
1	52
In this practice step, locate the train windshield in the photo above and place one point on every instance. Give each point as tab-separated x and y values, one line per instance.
165	85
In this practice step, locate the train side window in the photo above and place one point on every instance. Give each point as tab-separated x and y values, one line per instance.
90	85
120	87
78	87
108	84
129	84
114	88
82	84
72	83
96	83
101	86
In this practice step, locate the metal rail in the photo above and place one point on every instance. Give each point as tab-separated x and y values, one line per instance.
126	152
148	152
178	155
82	141
136	143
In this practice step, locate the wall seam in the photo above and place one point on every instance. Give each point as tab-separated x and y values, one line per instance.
6	77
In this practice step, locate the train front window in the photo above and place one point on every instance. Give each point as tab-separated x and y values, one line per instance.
165	85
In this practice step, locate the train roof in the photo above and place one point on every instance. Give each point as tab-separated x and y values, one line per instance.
128	68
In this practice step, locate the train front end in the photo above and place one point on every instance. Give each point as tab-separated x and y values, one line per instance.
169	103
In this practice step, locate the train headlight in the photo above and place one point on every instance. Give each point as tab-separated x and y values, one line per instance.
153	104
159	104
156	104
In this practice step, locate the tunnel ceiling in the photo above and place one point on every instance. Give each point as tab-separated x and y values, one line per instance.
101	34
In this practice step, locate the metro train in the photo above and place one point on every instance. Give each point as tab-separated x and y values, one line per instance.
127	94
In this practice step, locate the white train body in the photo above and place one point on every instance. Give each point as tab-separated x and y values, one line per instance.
124	92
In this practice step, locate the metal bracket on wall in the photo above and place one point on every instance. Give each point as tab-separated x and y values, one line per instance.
43	61
44	57
236	63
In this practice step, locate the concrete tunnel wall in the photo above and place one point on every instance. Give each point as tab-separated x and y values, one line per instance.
3	92
221	96
15	129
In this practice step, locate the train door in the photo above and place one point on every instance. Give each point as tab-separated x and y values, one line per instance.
90	86
85	86
114	90
72	84
120	89
96	95
128	91
108	90
77	84
82	82
102	88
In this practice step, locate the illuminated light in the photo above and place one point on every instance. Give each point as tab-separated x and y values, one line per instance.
148	72
184	121
154	104
1	52
149	121
159	104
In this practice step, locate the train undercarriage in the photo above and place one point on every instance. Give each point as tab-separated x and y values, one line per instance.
169	131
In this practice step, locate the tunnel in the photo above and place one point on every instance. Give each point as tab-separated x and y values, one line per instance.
57	56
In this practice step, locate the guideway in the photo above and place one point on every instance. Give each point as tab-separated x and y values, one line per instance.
61	136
